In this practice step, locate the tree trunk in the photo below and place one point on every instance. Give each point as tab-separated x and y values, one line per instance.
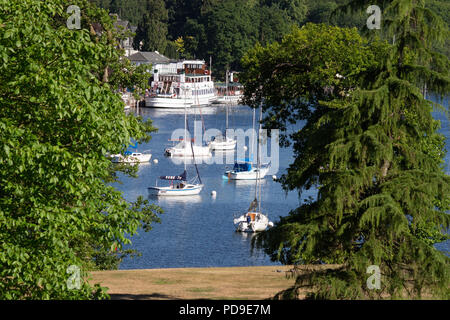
384	168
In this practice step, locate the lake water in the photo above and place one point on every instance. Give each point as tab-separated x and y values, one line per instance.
198	231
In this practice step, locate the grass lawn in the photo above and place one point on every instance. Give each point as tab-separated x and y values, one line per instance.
242	283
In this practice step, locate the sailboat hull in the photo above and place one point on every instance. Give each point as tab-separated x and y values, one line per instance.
247	175
187	152
133	158
173	191
259	222
223	145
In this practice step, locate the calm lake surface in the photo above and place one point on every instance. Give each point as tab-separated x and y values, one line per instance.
198	231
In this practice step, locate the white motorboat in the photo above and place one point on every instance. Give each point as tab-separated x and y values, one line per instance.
228	99
254	220
131	157
231	93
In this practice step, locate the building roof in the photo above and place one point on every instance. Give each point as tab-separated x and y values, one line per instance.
149	57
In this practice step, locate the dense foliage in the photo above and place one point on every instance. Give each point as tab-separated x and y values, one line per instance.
225	29
371	148
59	116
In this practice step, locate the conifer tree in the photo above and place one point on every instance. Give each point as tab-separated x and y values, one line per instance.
369	145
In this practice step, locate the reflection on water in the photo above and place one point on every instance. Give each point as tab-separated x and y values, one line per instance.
245	183
189	159
175	200
160	112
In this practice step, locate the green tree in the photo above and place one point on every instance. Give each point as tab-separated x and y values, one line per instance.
59	116
130	10
296	9
231	31
274	23
365	146
234	27
151	33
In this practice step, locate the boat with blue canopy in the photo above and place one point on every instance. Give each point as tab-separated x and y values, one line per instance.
245	170
132	156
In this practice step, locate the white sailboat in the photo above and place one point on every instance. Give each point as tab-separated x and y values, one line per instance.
245	170
223	142
185	148
183	187
254	220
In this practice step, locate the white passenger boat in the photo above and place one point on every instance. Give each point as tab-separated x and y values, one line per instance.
181	84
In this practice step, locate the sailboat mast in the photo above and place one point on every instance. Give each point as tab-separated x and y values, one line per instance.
226	85
253	134
258	162
185	128
226	123
226	101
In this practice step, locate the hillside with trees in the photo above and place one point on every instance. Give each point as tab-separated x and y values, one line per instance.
226	29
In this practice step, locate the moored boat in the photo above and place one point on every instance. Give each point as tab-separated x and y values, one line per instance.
131	157
181	84
184	149
246	171
181	188
254	220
